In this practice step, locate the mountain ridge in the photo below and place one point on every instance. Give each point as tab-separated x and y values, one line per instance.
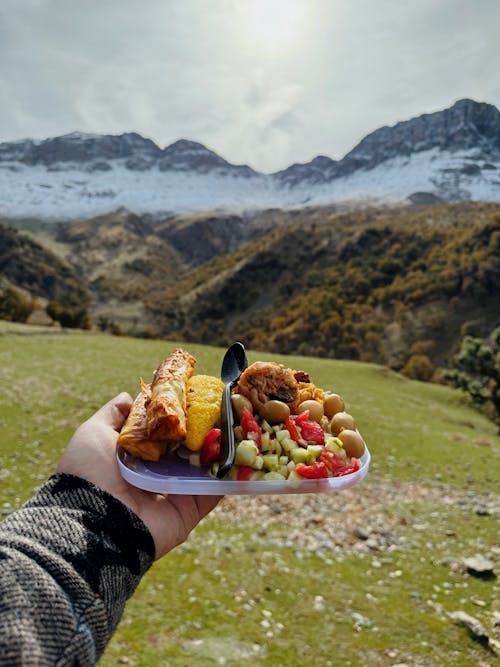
453	155
425	132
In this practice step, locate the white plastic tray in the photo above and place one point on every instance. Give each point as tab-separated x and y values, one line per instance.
172	474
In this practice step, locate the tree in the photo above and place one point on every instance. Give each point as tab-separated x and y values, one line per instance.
14	306
72	317
477	371
418	367
103	322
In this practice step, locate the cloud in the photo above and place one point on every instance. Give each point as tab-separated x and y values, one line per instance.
255	93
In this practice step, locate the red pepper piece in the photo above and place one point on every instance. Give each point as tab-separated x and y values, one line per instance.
349	468
251	430
301	418
316	470
312	432
336	464
333	461
294	431
244	473
210	449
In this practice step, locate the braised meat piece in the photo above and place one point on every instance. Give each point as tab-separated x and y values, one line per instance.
266	381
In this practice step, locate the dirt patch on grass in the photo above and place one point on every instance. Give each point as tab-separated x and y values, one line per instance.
375	516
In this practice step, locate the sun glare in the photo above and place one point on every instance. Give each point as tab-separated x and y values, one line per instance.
273	25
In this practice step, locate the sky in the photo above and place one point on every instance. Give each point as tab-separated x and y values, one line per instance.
261	82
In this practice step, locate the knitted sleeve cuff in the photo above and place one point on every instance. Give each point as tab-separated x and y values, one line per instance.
82	546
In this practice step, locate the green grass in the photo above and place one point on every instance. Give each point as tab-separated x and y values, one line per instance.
237	595
233	585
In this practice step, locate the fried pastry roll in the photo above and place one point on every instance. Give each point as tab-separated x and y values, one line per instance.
134	436
166	409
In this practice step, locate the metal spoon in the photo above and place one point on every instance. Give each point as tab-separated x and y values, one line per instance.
241	356
234	363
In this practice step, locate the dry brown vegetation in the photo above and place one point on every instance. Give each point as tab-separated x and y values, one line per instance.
396	286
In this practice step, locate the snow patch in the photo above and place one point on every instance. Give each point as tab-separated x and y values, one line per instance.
70	190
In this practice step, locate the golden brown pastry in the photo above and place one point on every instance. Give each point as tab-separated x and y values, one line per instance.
134	436
166	409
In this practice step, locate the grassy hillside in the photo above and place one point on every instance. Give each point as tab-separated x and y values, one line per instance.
364	577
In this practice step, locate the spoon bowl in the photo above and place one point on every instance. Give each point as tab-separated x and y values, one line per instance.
240	355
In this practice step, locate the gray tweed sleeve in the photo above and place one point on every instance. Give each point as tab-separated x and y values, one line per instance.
69	560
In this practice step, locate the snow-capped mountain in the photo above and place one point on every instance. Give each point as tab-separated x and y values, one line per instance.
452	155
468	127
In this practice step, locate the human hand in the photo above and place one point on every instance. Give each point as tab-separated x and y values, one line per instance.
91	454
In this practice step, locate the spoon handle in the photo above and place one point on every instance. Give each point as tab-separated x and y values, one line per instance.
227	451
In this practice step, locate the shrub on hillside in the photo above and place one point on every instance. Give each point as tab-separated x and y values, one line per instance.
422	347
71	317
476	370
14	306
115	329
418	367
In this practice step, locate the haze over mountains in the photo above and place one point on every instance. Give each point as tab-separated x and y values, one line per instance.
451	155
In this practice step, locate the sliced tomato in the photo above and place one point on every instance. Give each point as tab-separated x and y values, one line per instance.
312	432
316	470
210	449
336	464
301	418
291	427
349	468
251	430
332	460
244	473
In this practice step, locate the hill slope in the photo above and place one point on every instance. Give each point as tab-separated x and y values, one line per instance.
381	285
28	266
389	548
371	286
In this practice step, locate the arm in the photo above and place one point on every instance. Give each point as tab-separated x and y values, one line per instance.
69	560
74	553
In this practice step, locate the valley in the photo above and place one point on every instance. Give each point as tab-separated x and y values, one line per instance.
375	284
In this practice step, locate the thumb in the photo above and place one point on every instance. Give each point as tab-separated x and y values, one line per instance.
115	411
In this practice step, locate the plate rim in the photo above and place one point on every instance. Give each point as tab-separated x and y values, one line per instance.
179	485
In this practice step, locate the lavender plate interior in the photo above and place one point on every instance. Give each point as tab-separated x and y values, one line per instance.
171	474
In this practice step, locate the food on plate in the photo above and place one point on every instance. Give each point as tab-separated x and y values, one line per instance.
286	428
352	442
239	403
134	436
203	410
265	381
315	409
332	404
275	411
166	409
341	420
157	419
